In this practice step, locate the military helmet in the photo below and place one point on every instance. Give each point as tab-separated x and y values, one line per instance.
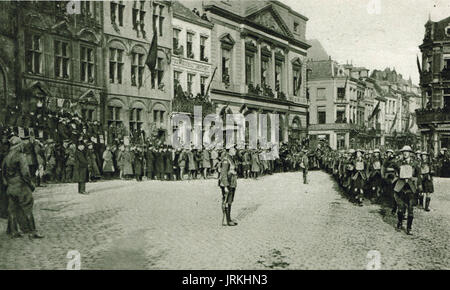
418	152
406	148
351	151
425	153
376	151
390	150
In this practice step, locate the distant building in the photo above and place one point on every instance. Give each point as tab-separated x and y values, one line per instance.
337	103
433	118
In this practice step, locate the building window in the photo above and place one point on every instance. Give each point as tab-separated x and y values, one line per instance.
62	59
226	62
341	93
278	76
321	117
264	70
138	17
189	52
297	80
203	80
114	115
160	70
295	27
117	9
161	20
176	38
137	69
115	65
447	63
190	83
88	114
87	64
249	68
321	94
34	54
136	119
340	115
203	48
158	117
87	8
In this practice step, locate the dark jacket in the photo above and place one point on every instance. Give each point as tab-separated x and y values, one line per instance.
81	166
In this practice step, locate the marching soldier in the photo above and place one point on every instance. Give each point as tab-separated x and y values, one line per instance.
405	187
426	173
375	172
359	177
16	176
228	184
81	168
388	174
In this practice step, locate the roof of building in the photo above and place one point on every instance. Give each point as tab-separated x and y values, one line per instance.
187	14
316	51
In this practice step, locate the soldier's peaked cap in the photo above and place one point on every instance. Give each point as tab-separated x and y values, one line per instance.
376	151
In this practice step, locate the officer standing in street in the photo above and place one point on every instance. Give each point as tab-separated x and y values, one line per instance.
227	183
81	168
17	177
304	164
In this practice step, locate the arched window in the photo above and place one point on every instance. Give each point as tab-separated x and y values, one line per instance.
227	44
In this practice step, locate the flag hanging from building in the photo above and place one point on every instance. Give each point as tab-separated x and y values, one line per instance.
375	111
393	123
418	65
152	53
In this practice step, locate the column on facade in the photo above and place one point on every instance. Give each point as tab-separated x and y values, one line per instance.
287	76
258	64
273	64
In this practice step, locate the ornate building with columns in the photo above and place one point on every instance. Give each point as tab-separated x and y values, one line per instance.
258	49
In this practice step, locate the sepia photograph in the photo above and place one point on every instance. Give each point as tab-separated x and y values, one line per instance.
225	136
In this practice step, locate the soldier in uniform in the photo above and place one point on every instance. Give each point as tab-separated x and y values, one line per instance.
227	183
426	173
304	164
16	176
388	174
81	168
405	187
359	177
375	172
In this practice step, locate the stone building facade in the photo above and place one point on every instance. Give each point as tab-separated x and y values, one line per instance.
136	98
434	117
259	50
60	55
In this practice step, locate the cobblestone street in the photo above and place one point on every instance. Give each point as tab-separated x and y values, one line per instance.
283	224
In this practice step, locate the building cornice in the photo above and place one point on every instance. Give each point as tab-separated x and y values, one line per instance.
242	20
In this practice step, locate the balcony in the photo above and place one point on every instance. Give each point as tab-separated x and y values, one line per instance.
427	116
333	126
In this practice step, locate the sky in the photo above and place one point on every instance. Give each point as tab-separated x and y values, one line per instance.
372	33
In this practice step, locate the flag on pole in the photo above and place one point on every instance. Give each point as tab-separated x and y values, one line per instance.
212	77
375	111
393	123
152	53
418	65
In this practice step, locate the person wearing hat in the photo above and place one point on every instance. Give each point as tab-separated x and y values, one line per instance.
159	163
20	187
4	148
192	163
81	173
227	182
108	165
359	176
374	173
304	165
408	173
388	174
426	173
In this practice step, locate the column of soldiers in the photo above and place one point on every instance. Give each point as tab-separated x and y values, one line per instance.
403	178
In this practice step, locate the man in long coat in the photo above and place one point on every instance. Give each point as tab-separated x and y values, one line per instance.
16	176
81	168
